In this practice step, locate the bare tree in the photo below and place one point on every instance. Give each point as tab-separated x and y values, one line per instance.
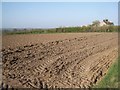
96	23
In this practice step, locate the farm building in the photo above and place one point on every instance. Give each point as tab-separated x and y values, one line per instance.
106	22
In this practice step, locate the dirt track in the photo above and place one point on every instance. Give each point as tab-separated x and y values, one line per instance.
75	60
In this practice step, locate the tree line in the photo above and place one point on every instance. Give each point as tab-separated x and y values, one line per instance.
94	27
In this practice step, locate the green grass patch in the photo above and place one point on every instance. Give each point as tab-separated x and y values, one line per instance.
110	80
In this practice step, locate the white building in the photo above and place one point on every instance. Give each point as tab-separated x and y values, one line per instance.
105	22
102	23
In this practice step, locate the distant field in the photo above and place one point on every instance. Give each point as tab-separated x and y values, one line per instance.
24	39
64	60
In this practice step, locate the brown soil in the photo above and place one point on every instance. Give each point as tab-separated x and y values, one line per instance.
76	60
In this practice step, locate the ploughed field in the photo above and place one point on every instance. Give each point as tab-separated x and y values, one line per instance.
71	60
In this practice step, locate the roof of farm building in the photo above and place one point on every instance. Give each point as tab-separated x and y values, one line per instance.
104	22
